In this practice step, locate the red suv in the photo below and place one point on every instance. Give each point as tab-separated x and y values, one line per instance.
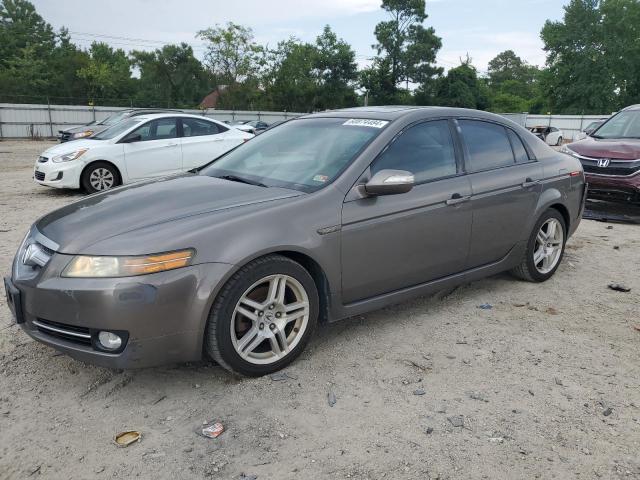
610	157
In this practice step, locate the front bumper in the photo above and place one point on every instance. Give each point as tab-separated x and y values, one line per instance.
162	316
615	188
58	175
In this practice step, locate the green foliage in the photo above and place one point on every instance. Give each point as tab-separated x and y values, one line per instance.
592	66
406	52
310	76
462	88
592	56
170	77
513	84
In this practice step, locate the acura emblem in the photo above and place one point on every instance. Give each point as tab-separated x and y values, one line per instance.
604	162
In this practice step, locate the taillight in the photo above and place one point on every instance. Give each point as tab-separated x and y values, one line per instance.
575	174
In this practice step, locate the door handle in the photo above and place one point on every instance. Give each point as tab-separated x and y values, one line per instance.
457	199
530	183
171	145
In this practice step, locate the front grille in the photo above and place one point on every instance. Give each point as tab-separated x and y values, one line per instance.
39	176
617	168
42	159
71	333
611	170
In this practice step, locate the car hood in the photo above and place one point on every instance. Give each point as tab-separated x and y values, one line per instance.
141	205
83	128
68	147
620	149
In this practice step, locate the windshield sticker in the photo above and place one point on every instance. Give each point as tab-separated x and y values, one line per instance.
365	122
320	178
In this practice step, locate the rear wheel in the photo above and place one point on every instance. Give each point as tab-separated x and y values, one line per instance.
544	249
263	317
99	176
559	142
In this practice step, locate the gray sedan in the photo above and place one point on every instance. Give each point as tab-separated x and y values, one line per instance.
321	218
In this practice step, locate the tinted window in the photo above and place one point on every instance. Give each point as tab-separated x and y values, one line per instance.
160	129
426	150
518	148
487	145
193	127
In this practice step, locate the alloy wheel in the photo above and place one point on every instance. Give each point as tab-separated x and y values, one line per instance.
270	319
548	246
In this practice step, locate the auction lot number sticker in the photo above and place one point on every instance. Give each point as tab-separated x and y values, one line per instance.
365	122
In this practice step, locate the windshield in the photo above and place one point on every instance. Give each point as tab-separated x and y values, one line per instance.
115	118
116	130
623	125
305	154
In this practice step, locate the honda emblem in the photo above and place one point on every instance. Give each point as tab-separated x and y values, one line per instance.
604	162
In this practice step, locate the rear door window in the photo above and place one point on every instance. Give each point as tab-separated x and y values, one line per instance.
487	145
194	127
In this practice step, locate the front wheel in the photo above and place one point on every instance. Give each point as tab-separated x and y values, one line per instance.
263	317
559	142
99	176
544	249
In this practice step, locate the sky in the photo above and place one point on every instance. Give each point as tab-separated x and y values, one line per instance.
480	28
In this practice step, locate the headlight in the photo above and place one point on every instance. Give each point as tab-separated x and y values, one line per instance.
67	157
86	133
568	151
83	266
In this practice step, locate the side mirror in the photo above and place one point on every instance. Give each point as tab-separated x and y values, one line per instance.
390	182
131	139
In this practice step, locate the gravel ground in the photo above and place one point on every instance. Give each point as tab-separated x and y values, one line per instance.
546	384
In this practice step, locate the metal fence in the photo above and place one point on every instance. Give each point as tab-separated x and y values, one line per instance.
569	124
44	121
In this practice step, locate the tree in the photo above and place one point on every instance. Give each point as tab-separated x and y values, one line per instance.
512	83
592	56
406	50
170	77
232	55
335	68
462	88
26	43
107	74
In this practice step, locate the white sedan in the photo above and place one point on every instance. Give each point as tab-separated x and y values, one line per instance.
135	149
549	135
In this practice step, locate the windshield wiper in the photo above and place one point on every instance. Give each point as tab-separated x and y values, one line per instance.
235	178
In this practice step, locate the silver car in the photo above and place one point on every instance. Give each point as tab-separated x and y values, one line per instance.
323	217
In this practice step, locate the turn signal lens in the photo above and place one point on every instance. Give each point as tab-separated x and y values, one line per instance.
83	266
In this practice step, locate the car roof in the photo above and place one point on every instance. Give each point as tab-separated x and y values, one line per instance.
153	116
632	107
394	112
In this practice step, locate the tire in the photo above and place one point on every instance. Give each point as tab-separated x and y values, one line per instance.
244	344
559	144
99	177
533	271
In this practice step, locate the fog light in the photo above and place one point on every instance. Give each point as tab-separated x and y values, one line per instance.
58	176
109	341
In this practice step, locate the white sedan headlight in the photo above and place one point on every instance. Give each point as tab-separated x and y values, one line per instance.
67	157
86	133
83	266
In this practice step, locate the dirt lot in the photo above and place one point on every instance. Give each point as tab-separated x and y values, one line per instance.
546	384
